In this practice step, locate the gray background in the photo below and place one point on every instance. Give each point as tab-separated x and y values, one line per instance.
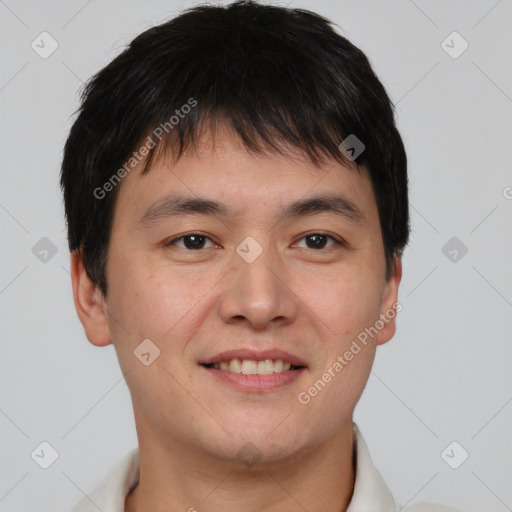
444	377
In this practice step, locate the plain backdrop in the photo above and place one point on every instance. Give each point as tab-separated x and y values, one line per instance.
444	378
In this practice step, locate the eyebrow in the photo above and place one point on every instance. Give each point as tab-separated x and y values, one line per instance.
179	205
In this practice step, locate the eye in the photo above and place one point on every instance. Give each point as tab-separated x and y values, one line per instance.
318	241
196	241
191	241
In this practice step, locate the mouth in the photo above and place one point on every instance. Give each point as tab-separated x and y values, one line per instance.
253	367
255	371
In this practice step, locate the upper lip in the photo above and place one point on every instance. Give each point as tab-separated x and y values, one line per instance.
255	355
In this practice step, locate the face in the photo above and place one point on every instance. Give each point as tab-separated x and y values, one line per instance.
239	286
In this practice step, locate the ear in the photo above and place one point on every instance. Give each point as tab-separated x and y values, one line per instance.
390	306
89	303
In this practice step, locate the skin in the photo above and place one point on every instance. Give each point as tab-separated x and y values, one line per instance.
194	304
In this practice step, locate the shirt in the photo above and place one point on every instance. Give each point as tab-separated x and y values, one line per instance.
370	491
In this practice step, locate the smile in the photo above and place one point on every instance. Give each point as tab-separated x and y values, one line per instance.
255	371
253	367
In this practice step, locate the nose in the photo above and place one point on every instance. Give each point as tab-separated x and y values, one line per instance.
259	293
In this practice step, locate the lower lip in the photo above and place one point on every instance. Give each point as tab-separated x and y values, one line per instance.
256	383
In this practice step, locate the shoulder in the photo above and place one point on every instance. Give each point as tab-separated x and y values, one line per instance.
429	507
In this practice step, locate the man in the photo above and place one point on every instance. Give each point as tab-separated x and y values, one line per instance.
236	196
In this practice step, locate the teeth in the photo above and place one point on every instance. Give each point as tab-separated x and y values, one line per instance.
251	367
235	366
265	367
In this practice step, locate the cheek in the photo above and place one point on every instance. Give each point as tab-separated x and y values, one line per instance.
162	308
344	303
159	303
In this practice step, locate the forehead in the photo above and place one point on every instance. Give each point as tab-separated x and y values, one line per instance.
220	167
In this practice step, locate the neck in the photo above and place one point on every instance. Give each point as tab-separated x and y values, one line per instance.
174	479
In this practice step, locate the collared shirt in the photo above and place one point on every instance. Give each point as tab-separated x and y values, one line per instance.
370	491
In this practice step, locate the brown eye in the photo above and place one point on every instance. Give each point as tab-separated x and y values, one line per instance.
192	241
319	241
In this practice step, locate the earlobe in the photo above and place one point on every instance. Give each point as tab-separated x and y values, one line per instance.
389	309
89	303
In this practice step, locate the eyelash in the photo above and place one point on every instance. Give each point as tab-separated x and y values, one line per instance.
336	241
